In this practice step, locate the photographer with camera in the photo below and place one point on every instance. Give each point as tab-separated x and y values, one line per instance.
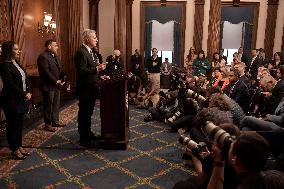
189	104
167	104
247	155
202	156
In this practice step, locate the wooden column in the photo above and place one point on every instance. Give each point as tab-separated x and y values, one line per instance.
198	24
270	27
214	28
5	25
282	47
75	26
128	34
17	25
94	14
120	28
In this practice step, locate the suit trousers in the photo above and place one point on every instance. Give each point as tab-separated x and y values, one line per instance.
256	124
87	100
51	104
14	127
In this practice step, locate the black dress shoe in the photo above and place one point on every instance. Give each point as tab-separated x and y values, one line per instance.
15	156
25	153
148	118
93	136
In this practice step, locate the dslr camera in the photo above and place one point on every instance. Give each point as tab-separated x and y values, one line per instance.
192	94
178	114
222	138
196	148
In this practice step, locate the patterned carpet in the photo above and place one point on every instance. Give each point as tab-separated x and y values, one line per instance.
153	159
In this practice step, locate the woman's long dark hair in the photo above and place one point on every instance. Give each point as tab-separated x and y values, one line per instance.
201	52
7	51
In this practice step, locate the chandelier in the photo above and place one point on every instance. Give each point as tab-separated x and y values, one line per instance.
49	25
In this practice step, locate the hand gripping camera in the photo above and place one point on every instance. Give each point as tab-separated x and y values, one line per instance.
222	138
196	148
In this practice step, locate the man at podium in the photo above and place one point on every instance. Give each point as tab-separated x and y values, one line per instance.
87	68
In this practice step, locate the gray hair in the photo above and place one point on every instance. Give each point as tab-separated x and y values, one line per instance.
86	33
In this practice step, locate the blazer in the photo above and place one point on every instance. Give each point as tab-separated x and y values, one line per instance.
12	94
252	67
50	71
86	68
114	66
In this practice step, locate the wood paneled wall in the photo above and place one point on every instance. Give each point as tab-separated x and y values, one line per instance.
5	29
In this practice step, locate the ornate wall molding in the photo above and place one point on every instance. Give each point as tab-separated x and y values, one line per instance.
198	24
273	2
214	28
199	2
270	27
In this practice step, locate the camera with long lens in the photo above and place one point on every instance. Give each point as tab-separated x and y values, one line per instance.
192	94
196	148
220	136
178	114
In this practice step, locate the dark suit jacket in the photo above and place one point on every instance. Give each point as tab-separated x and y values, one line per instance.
240	94
151	68
253	68
245	59
12	93
113	66
50	71
86	68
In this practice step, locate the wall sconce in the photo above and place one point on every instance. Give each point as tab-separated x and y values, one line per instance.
49	25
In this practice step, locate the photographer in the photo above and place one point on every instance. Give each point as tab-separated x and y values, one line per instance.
203	159
167	104
247	155
189	103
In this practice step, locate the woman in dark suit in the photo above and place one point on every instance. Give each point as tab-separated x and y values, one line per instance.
14	97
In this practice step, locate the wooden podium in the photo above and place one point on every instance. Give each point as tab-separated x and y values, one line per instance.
114	112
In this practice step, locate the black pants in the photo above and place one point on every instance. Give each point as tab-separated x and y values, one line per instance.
87	100
14	127
51	104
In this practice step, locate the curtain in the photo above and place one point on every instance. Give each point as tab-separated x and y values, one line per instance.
160	32
232	35
247	37
148	39
177	50
221	35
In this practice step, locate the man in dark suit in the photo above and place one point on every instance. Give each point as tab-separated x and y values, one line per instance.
242	57
136	62
114	65
51	79
253	65
86	91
